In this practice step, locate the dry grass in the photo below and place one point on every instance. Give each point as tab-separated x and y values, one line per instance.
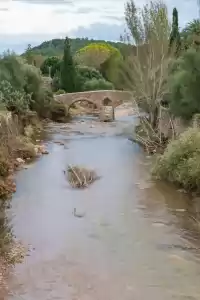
150	139
23	148
80	177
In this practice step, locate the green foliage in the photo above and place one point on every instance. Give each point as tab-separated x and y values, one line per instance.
184	85
22	86
42	102
180	162
88	72
51	66
110	70
97	84
191	34
11	69
175	39
84	74
68	72
40	95
15	100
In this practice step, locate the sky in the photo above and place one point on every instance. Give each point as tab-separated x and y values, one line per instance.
24	22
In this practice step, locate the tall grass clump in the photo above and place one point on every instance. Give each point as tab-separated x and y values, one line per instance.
180	162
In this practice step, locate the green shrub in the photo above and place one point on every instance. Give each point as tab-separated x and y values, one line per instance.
88	72
22	86
42	102
97	84
180	162
84	74
14	100
11	70
184	85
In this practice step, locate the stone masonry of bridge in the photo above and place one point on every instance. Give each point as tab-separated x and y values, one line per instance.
95	97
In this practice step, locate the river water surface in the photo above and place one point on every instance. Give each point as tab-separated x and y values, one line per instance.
136	239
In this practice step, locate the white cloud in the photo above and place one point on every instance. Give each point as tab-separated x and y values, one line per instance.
53	16
26	18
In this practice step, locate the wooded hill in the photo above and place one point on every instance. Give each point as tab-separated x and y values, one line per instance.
55	47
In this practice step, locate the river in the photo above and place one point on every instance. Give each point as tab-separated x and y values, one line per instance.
136	239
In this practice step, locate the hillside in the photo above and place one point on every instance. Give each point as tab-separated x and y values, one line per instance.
55	46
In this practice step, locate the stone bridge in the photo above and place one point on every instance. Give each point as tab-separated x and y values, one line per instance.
99	98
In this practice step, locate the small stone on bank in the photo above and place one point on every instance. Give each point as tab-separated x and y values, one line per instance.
20	160
41	150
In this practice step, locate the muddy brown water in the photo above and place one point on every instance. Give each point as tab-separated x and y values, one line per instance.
136	239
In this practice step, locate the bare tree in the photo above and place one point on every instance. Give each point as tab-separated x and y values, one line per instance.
198	3
146	67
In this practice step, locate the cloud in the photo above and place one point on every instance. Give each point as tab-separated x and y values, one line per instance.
51	2
100	31
32	21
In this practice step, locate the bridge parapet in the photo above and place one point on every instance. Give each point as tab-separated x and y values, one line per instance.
96	97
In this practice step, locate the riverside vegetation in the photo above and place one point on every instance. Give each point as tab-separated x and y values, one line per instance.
164	71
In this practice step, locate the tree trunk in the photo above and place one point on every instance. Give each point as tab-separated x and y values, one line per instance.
154	118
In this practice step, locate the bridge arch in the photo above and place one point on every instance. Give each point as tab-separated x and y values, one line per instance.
90	101
107	101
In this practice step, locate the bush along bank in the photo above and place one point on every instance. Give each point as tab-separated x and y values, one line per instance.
180	163
25	98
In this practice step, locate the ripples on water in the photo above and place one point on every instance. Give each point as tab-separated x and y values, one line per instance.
136	241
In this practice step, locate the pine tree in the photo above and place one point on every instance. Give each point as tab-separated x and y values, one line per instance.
175	34
68	71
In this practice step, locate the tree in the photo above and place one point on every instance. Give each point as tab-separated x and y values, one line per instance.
191	34
146	68
95	54
175	40
184	85
68	72
51	66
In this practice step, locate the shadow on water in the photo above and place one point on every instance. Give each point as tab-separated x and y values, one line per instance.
135	241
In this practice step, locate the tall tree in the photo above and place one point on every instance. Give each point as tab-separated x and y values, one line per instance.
175	34
145	70
68	71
